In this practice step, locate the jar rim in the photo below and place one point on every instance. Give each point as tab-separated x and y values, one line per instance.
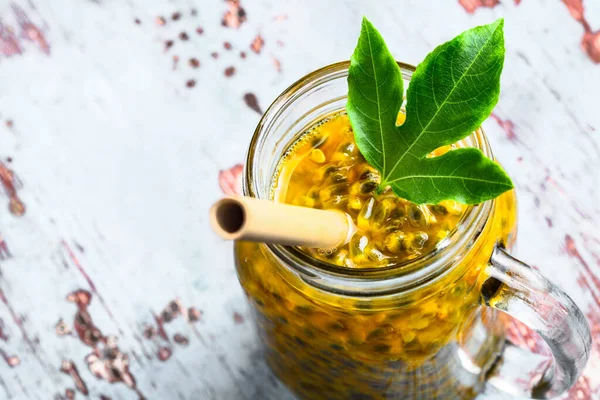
394	277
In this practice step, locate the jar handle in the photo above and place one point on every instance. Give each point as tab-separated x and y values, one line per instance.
518	290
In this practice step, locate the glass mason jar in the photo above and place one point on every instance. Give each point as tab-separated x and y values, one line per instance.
430	328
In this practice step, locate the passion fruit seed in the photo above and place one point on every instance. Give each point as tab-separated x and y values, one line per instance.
438	209
333	190
363	221
419	240
368	187
394	242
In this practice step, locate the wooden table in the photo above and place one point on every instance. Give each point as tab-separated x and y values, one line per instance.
117	117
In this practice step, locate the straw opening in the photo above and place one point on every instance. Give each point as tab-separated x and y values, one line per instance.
231	216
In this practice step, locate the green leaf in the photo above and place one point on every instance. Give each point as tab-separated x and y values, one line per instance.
375	92
450	94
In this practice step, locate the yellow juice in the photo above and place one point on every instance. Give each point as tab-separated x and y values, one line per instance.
327	345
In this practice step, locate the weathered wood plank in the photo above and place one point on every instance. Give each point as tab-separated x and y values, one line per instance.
116	162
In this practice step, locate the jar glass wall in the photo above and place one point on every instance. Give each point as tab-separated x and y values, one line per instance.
416	330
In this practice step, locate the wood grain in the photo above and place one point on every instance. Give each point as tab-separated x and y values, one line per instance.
110	159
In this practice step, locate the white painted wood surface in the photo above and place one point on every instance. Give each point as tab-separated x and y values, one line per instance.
117	163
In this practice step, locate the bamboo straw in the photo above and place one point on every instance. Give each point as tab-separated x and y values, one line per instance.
247	218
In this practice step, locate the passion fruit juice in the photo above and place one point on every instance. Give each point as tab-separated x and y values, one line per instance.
324	345
325	170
